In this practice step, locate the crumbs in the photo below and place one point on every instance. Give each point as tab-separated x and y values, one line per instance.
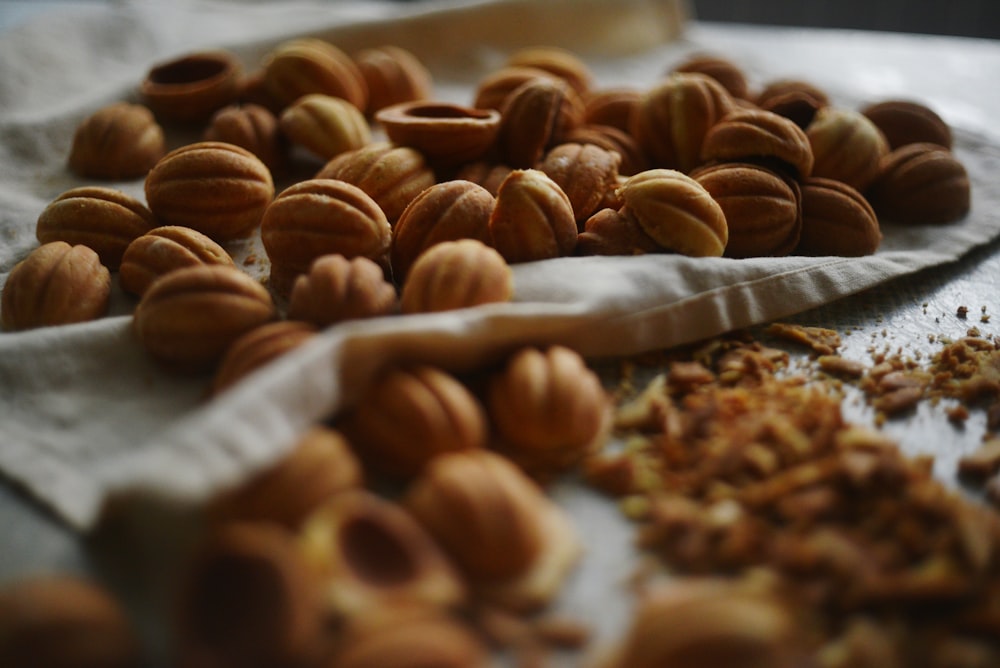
738	463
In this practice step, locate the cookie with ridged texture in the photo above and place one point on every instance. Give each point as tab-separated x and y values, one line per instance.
219	189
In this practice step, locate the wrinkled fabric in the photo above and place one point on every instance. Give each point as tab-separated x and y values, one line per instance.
86	416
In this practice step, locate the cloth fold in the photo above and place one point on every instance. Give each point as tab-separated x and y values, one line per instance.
86	417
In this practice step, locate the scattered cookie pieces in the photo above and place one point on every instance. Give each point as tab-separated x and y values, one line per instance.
821	340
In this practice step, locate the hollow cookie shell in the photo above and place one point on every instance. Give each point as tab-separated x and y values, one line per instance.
191	88
370	553
445	134
247	597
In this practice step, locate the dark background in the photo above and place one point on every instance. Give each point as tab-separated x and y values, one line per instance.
970	18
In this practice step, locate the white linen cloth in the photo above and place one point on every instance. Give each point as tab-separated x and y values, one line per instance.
86	417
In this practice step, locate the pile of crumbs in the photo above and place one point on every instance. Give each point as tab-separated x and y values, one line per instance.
966	372
735	464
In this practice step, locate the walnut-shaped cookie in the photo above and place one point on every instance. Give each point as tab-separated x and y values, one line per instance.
446	211
677	212
392	75
535	117
846	146
117	142
257	348
337	289
557	61
103	219
706	622
49	620
164	249
632	158
189	318
548	409
585	172
408	416
320	217
762	208
324	125
725	71
921	183
410	636
512	543
253	127
532	219
485	173
319	465
307	65
673	117
794	99
219	189
908	122
456	274
837	220
611	107
496	86
391	175
615	232
754	135
56	284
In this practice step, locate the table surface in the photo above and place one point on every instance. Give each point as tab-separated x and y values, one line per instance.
904	314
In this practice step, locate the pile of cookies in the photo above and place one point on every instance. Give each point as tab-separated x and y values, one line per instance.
371	199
